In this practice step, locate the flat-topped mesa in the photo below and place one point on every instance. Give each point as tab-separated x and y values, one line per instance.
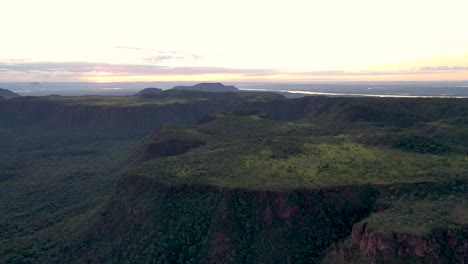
239	187
208	87
148	92
7	94
264	153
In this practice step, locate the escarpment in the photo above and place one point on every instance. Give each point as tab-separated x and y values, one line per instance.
242	187
370	246
136	115
139	117
205	224
410	232
142	114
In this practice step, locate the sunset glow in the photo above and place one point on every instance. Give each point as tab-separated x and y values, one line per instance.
260	40
279	77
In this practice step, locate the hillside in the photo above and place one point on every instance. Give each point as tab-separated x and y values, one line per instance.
7	94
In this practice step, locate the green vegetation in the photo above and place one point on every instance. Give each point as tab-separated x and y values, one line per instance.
421	171
118	101
420	209
253	96
160	99
200	224
267	180
51	185
255	153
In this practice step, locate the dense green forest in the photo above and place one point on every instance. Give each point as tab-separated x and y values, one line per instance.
50	184
236	178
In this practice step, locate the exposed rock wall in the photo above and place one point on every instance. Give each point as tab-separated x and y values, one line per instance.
441	246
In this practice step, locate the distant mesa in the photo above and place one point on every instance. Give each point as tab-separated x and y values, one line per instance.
149	91
7	94
208	87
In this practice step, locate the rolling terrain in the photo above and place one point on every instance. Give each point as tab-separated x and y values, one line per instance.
244	177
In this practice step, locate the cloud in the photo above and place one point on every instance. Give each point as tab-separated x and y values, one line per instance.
124	69
163	55
420	70
15	60
152	67
444	68
160	58
129	48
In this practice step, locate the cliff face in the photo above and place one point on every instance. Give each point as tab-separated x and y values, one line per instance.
440	246
116	120
72	114
151	221
21	112
388	111
429	248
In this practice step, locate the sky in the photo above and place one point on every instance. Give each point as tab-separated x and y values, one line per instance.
242	40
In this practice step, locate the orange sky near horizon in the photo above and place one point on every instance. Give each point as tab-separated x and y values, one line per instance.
458	76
